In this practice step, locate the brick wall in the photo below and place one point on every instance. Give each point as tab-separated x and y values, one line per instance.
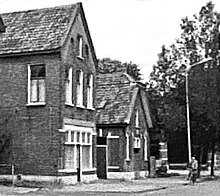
33	129
36	145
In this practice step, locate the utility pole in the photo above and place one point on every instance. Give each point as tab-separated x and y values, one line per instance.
188	116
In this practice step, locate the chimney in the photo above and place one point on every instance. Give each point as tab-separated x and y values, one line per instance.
2	26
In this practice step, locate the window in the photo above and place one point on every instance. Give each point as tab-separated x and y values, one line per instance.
82	136
79	83
137	142
90	91
69	85
80	46
137	119
86	50
36	83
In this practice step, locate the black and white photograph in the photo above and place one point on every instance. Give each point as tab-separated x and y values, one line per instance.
110	97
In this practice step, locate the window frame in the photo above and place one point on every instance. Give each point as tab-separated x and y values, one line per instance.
137	121
29	87
90	88
73	131
69	99
80	46
79	89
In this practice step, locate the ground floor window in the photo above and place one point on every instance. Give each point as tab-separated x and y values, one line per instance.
78	147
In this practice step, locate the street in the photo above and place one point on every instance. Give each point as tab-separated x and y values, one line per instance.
211	188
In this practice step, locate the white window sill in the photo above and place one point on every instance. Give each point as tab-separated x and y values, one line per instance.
90	108
70	143
80	106
80	57
113	167
76	143
36	104
69	104
128	159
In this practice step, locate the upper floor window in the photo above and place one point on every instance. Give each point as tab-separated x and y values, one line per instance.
137	119
80	46
87	50
90	91
79	87
69	85
36	83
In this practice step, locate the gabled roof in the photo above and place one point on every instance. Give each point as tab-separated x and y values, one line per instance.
39	30
116	95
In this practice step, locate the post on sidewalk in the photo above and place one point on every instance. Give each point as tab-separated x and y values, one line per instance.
152	166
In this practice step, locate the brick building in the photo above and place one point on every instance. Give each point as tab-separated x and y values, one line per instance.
47	68
124	120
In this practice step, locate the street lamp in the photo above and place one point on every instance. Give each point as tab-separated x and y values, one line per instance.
187	107
187	115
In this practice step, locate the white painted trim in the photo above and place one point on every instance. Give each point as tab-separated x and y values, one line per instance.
113	137
145	149
163	150
78	128
101	146
113	167
100	132
29	84
91	109
80	106
69	104
164	159
90	93
127	147
75	170
69	99
75	122
79	100
80	47
36	104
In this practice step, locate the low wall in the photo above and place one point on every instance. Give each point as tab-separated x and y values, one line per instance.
44	181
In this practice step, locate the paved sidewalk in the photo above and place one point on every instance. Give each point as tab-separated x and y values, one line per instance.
115	186
134	186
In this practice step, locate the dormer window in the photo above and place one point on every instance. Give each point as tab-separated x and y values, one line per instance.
80	46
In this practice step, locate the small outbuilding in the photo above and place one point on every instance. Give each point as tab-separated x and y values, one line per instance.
123	120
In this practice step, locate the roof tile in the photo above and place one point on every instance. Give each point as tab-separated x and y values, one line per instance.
35	30
114	94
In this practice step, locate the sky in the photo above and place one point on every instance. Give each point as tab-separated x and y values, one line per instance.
126	30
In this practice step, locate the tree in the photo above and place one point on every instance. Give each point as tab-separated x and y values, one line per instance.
199	39
107	65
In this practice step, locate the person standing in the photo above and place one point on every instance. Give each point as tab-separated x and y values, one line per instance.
193	170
